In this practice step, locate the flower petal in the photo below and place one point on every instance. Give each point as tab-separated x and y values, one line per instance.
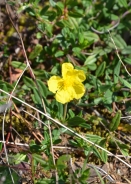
53	83
63	96
69	86
79	75
79	90
66	67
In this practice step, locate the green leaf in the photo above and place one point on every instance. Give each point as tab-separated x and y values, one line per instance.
56	109
124	149
76	50
62	162
6	86
78	122
117	72
128	60
17	64
92	67
16	159
104	88
35	2
108	97
29	82
38	35
20	157
55	69
64	23
52	3
115	121
60	8
80	37
126	50
90	60
31	11
74	23
42	87
114	17
97	100
85	175
59	53
75	14
123	3
94	138
36	98
100	70
119	42
44	10
56	134
91	36
97	153
39	159
38	48
104	156
71	113
42	74
84	165
125	83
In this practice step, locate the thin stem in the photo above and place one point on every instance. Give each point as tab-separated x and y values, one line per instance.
65	111
33	169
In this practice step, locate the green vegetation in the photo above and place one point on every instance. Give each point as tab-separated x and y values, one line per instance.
47	141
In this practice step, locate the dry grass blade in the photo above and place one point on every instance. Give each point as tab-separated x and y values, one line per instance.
60	124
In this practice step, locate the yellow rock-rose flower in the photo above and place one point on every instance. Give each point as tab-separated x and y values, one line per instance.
69	86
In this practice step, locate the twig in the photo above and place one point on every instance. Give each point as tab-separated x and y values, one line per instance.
101	171
35	118
118	54
106	31
18	144
72	149
114	26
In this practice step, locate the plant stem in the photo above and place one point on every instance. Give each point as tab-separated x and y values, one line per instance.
65	111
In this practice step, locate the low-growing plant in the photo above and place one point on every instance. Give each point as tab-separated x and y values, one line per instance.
64	89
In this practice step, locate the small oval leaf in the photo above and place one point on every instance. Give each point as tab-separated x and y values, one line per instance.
100	69
115	121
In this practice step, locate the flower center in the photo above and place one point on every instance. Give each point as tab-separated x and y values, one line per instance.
65	83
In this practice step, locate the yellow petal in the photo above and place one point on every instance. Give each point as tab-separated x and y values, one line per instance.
79	75
79	90
53	83
66	68
68	87
63	96
74	92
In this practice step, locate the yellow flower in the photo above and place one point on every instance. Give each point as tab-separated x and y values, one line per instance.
69	86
